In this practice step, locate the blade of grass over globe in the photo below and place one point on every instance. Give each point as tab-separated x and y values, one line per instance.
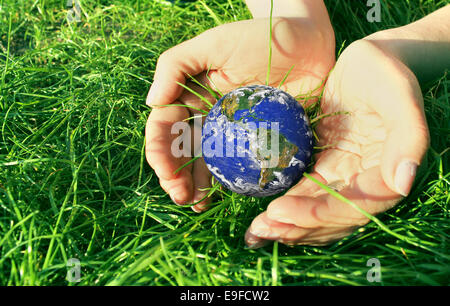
74	181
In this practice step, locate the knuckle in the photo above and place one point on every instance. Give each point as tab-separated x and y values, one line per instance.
165	58
272	208
149	157
342	215
423	134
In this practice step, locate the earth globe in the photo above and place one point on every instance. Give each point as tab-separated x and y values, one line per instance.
257	141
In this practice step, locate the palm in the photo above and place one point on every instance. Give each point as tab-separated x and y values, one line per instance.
354	132
365	97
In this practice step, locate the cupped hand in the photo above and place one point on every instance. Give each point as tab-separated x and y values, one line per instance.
234	55
375	143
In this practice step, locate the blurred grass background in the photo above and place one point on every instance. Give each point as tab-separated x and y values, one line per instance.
74	182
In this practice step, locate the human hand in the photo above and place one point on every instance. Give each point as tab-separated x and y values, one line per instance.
235	55
372	155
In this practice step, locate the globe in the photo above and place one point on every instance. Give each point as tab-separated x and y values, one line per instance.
257	141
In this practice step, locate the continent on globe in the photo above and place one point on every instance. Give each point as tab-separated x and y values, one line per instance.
257	140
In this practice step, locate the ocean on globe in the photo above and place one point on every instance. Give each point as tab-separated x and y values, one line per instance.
257	141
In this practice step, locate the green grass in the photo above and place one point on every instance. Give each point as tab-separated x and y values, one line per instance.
74	182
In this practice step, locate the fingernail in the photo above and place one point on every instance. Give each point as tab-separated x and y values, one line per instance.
404	177
195	209
177	195
176	201
152	93
253	242
264	232
257	244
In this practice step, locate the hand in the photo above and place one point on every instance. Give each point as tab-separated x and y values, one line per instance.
374	150
235	54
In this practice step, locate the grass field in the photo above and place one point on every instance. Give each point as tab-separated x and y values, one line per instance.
74	182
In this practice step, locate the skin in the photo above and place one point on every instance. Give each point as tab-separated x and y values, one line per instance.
242	60
377	148
367	144
373	150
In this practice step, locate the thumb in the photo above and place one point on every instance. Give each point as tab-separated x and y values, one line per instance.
188	58
406	143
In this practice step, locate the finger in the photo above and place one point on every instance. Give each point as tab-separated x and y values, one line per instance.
192	100
406	144
307	187
159	151
188	58
334	168
172	67
323	236
159	140
180	188
202	180
367	190
263	228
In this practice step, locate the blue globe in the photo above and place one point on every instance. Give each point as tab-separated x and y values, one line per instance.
257	141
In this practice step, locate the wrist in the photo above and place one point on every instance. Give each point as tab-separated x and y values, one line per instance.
288	8
388	41
308	14
423	46
375	55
